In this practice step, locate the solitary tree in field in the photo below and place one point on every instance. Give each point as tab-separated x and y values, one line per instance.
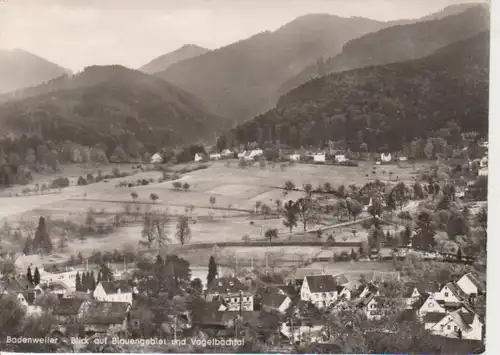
290	215
183	231
279	204
289	186
266	210
186	186
307	212
154	197
177	185
271	234
62	243
258	204
90	220
308	189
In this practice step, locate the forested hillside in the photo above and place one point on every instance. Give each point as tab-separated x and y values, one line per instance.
399	43
241	79
110	105
384	105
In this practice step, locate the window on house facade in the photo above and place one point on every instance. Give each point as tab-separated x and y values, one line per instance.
431	305
446	294
455	327
448	327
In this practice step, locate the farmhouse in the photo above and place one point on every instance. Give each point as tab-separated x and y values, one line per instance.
319	157
450	294
117	291
232	291
471	285
340	158
429	305
107	317
320	290
215	156
71	310
275	300
198	157
156	159
458	325
294	157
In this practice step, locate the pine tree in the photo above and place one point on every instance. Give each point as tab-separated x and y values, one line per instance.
98	278
42	242
78	284
36	279
84	282
212	270
92	282
29	276
28	246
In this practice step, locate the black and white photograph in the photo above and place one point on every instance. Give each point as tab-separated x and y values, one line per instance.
244	176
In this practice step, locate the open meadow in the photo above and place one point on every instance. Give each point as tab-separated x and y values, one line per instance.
220	202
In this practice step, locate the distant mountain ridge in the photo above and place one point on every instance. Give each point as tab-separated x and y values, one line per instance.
241	79
399	43
163	62
20	69
384	106
107	103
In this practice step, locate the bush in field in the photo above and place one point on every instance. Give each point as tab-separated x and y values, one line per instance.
81	181
60	183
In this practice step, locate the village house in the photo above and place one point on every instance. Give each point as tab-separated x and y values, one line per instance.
319	157
198	157
450	294
71	310
310	330
24	292
113	291
57	288
483	172
68	278
471	285
321	290
344	292
412	296
252	154
156	159
235	295
385	157
226	153
275	300
457	325
340	158
403	158
107	318
215	156
429	305
242	154
294	157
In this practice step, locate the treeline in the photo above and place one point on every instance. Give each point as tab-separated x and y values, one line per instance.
384	107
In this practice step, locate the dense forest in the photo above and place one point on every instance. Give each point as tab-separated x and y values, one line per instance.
109	105
398	43
383	106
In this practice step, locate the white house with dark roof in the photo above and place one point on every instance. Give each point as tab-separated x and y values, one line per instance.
232	291
471	285
458	325
450	294
319	157
430	305
107	318
113	291
321	290
274	300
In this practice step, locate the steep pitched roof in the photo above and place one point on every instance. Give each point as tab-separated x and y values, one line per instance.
106	313
112	287
25	261
273	299
321	283
433	317
68	307
17	284
460	321
456	290
481	285
225	285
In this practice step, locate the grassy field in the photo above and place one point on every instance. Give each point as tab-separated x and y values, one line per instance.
235	191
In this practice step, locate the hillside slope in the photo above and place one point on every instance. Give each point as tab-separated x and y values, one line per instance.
20	69
104	104
163	62
399	43
241	79
383	105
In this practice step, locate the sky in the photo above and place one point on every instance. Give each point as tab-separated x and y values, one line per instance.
78	33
